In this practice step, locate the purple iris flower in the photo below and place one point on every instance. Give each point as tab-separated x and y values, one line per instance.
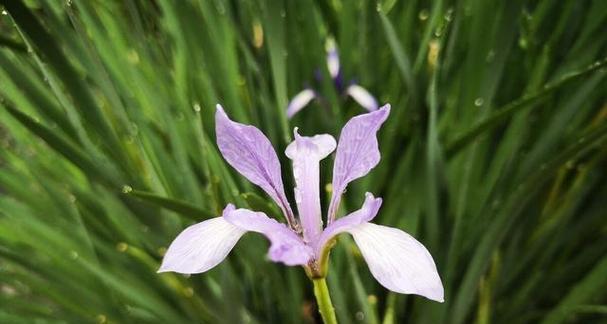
358	93
396	259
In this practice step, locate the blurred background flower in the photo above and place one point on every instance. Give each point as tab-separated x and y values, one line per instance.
355	91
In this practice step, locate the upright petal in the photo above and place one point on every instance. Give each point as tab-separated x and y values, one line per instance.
306	153
332	58
286	246
202	246
398	261
362	96
357	152
250	152
300	100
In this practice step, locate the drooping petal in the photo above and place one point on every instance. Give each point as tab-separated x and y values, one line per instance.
285	246
300	100
362	96
306	153
398	261
202	246
250	152
365	214
357	152
332	58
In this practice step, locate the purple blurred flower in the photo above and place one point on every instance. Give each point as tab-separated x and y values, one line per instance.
395	258
358	93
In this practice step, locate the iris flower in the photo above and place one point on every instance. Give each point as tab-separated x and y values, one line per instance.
397	260
357	92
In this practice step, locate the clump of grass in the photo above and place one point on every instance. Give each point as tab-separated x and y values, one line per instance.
494	155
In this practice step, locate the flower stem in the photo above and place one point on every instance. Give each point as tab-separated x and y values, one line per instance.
325	306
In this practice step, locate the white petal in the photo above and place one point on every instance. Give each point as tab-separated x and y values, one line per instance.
300	101
363	97
398	261
306	153
332	58
201	246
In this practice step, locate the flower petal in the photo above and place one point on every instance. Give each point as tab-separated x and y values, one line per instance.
250	152
357	152
363	97
300	100
286	246
201	246
398	261
365	214
306	153
332	58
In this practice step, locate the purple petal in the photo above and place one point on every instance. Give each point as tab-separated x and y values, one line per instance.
398	261
286	246
250	152
357	152
363	97
306	153
300	100
201	246
365	214
332	58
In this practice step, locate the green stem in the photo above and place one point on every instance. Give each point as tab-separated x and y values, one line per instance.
325	306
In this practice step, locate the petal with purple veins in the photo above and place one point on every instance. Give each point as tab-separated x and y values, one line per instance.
398	261
250	152
285	246
201	246
306	153
357	152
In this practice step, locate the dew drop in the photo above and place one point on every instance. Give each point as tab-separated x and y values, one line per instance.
134	129
449	14
523	43
73	255
127	189
479	102
122	247
423	15
188	292
372	299
4	13
490	56
196	107
360	316
101	319
132	56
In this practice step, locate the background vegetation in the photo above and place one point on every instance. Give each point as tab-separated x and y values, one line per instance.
494	155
